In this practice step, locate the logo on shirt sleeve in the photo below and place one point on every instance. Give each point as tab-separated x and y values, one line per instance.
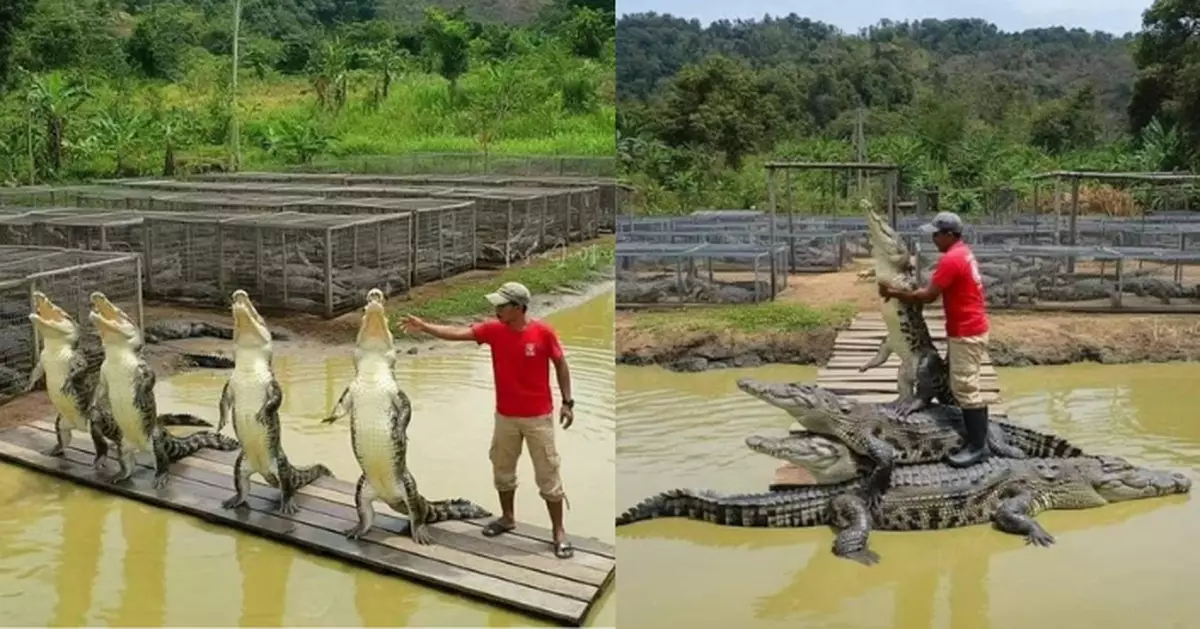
975	274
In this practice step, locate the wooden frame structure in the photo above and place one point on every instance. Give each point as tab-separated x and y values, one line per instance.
893	181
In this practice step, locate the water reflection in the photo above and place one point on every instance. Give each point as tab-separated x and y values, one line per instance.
686	430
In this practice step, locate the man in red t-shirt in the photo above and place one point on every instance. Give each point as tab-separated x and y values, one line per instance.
956	279
522	351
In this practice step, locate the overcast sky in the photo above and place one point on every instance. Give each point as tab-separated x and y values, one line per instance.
1114	16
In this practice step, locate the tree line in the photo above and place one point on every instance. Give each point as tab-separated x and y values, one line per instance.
93	87
960	104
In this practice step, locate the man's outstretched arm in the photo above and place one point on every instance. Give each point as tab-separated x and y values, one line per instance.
443	332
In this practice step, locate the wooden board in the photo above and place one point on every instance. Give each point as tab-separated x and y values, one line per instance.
878	374
517	570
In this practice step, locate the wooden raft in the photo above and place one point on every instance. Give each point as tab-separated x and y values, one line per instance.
517	570
856	345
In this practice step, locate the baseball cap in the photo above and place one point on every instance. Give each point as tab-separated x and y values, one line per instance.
944	221
510	293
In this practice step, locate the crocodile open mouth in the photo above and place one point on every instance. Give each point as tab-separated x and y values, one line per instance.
47	310
374	327
106	314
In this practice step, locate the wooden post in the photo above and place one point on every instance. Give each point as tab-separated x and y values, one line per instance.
771	227
140	306
791	204
221	258
283	248
1037	210
1072	225
1058	210
329	272
893	180
258	262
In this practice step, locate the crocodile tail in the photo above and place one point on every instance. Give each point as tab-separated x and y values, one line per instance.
1038	445
302	476
182	419
793	508
179	447
455	509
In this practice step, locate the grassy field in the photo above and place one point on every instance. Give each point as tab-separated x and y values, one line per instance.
770	317
462	297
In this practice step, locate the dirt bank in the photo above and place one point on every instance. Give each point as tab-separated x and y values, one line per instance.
696	341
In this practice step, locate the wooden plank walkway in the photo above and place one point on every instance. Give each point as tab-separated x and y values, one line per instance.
856	345
517	570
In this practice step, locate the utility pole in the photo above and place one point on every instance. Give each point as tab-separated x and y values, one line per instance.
235	138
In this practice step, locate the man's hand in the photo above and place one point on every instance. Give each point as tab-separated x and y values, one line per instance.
566	416
886	291
413	324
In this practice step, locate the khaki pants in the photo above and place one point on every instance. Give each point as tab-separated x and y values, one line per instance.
966	355
508	436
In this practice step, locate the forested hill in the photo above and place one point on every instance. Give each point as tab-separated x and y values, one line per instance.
883	67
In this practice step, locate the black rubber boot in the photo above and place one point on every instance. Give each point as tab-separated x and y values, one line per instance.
975	420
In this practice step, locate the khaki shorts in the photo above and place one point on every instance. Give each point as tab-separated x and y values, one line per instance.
508	436
966	355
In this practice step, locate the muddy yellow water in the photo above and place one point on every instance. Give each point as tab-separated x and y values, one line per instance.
72	556
1120	566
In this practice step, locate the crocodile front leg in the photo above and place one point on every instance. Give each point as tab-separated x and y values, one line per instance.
881	355
1015	515
851	522
883	455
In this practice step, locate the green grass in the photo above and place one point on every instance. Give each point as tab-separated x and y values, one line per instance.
749	318
464	298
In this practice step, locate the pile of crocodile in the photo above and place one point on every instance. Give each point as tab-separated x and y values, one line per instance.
114	401
881	465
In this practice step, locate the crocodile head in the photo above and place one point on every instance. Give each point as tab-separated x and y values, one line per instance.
53	323
1091	481
249	328
815	407
892	258
829	461
374	330
115	327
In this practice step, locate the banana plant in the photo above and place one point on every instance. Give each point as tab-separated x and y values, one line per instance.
53	98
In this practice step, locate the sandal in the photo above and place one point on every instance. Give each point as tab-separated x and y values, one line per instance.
497	527
564	550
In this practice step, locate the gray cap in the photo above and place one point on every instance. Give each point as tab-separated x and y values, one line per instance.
944	221
510	293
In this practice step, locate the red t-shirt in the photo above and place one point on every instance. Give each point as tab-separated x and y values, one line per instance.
957	274
521	365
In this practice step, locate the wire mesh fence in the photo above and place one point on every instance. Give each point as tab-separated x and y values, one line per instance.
610	193
75	228
67	277
511	223
1085	279
665	274
319	264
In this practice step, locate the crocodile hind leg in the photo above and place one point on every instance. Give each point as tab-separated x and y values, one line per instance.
100	444
851	521
127	462
286	478
162	459
906	378
62	435
927	367
241	483
366	511
1015	515
417	509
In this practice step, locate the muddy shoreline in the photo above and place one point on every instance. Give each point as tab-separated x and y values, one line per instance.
1017	341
